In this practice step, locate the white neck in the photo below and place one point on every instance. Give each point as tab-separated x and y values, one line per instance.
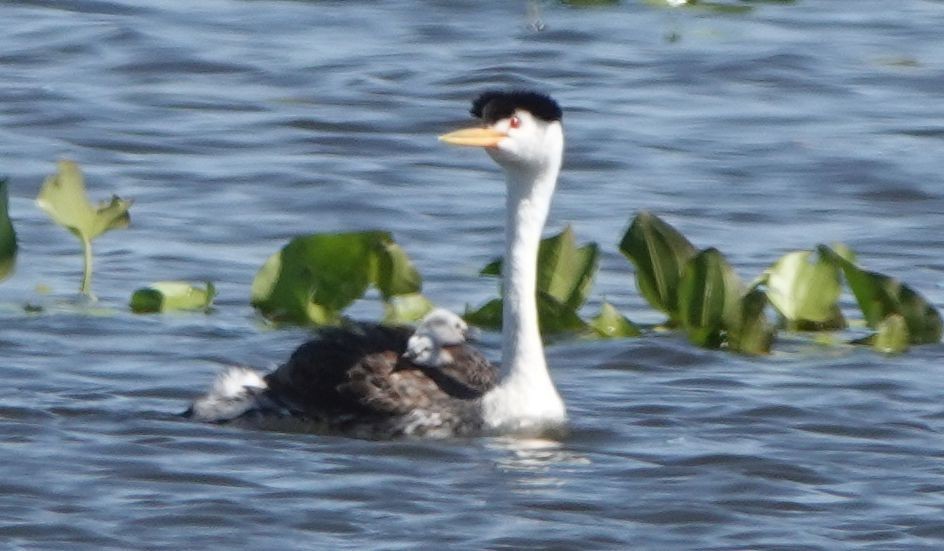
526	397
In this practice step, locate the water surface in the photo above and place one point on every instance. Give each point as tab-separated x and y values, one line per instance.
236	125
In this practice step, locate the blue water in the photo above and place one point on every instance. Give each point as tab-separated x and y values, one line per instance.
235	125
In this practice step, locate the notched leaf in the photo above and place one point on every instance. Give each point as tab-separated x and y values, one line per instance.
63	197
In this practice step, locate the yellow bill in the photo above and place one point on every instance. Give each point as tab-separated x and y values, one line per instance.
475	137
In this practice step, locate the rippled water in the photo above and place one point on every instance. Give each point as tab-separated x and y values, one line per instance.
237	124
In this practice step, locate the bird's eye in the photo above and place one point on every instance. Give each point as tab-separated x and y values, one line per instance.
515	122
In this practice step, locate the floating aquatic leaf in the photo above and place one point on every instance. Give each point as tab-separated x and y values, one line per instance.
805	293
406	308
659	253
166	296
396	274
564	276
314	277
487	316
708	295
8	245
891	335
565	271
64	199
880	296
553	317
609	323
752	333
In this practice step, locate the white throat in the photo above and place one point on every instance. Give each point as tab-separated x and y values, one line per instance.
526	397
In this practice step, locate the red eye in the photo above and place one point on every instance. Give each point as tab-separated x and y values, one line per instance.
515	122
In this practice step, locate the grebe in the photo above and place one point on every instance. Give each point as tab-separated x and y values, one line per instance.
375	380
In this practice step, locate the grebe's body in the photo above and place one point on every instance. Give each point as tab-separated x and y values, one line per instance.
380	381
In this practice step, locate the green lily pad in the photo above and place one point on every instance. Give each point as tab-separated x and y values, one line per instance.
166	296
395	274
611	324
406	308
314	277
752	333
553	317
565	271
806	293
8	244
708	297
487	316
659	253
564	277
880	296
891	336
64	199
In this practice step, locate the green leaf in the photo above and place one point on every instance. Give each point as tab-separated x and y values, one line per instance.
708	295
610	324
880	296
63	198
165	296
488	316
492	269
553	317
314	277
565	271
752	333
805	293
8	244
892	335
406	308
659	253
564	276
396	274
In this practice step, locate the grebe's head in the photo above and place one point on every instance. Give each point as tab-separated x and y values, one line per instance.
521	130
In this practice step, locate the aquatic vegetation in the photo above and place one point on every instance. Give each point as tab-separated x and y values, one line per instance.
708	294
8	246
64	199
659	253
806	294
313	278
891	336
881	296
611	324
701	293
564	278
166	296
